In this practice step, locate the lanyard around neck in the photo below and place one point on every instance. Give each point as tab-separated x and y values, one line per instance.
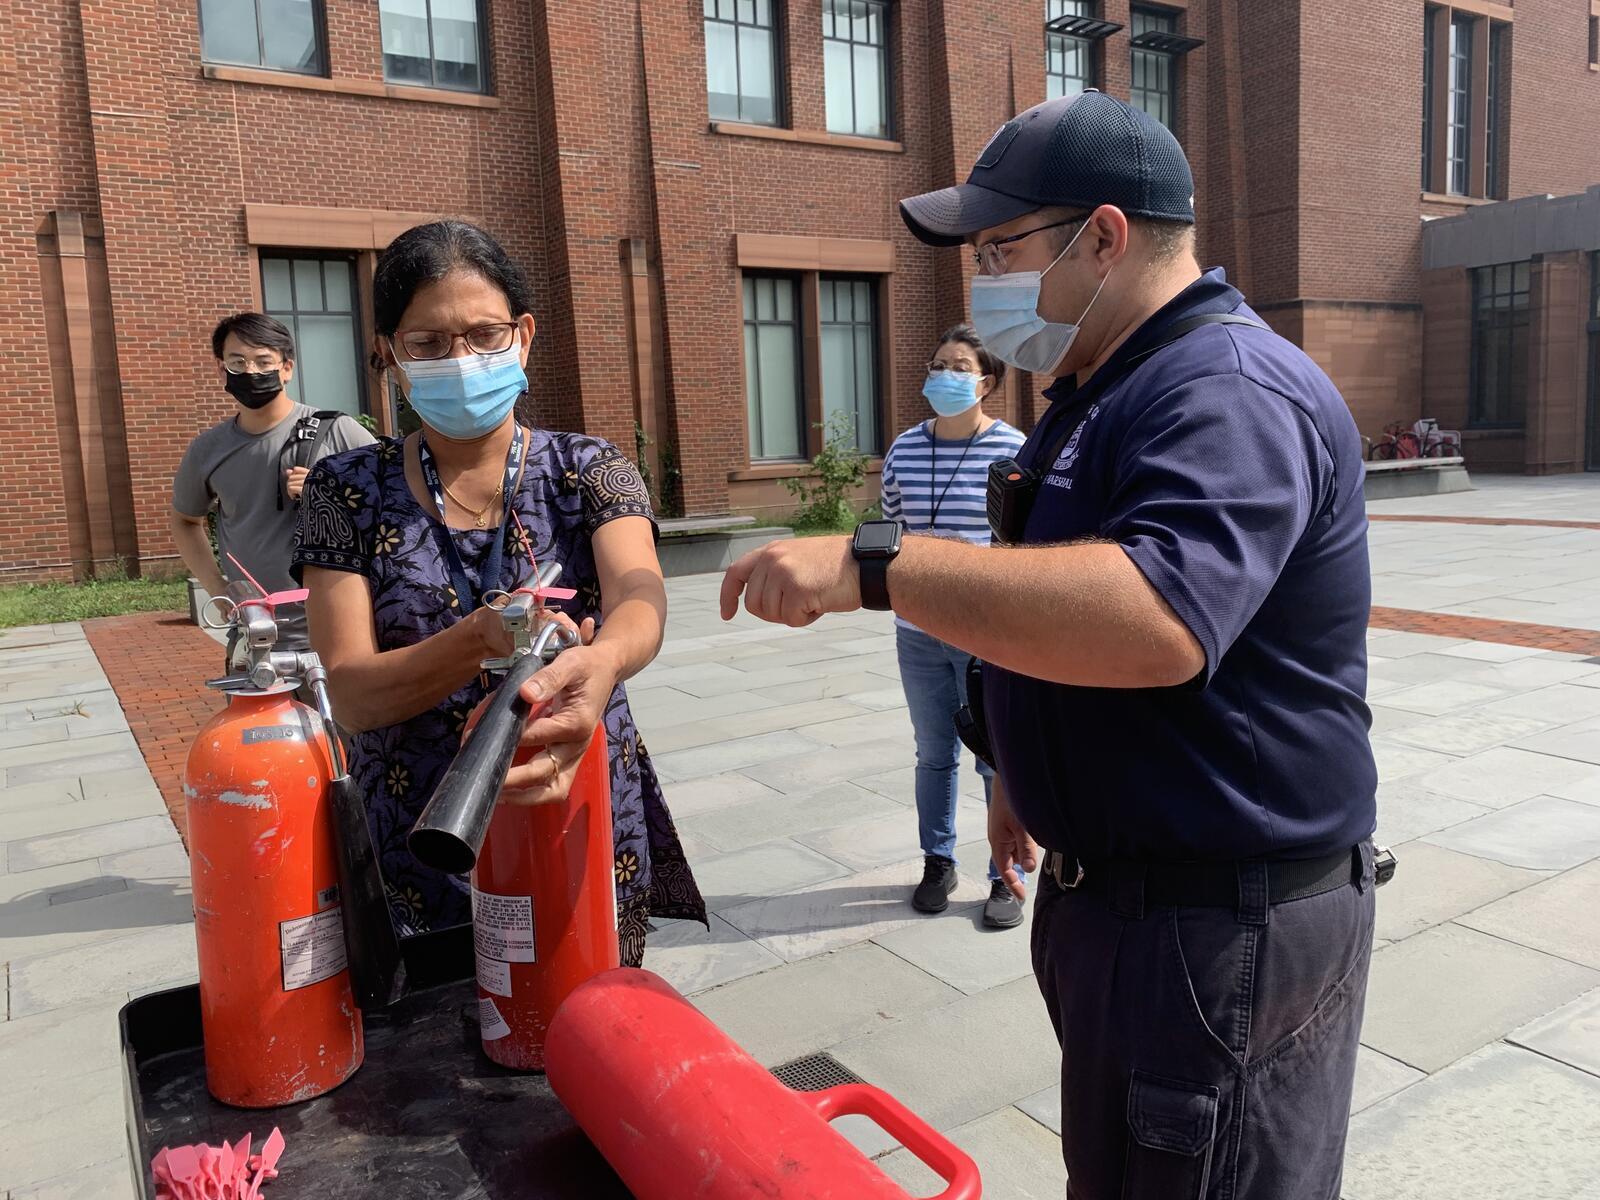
466	596
933	438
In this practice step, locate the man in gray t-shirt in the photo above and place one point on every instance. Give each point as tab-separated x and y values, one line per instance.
250	468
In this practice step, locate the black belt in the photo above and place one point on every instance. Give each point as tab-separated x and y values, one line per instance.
1205	884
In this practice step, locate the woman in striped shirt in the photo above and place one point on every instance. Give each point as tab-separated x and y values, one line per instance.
934	481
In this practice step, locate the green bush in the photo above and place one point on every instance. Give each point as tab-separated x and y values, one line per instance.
826	498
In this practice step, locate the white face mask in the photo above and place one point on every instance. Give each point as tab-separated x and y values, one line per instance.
1005	312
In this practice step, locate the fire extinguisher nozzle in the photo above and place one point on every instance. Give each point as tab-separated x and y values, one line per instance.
451	829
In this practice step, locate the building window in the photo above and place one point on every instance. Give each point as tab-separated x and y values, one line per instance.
773	396
1493	126
1154	70
850	357
1427	99
1499	346
741	61
1459	134
856	66
315	297
433	43
1594	40
1068	60
281	35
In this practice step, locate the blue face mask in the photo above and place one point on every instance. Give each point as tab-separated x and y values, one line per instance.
465	398
951	393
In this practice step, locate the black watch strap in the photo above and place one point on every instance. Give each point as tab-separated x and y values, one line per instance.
875	583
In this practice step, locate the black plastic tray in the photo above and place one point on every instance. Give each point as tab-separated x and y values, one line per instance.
426	1115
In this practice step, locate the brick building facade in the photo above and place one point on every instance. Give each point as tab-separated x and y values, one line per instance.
703	194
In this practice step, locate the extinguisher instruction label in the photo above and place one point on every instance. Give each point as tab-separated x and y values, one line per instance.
502	927
490	1023
312	948
494	976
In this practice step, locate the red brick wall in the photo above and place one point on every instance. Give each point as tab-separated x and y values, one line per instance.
1557	371
1303	139
1555	100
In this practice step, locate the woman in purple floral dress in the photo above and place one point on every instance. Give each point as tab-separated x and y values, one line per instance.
399	542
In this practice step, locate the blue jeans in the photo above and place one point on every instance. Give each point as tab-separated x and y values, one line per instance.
934	676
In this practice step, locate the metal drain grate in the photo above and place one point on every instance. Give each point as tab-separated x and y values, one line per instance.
814	1073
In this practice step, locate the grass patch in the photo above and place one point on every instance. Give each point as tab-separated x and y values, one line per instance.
45	603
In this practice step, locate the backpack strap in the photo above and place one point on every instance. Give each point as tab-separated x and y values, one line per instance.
306	439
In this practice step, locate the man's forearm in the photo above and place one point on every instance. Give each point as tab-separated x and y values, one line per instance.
1079	614
194	546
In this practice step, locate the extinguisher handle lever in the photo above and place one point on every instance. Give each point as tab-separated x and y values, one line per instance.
450	831
941	1156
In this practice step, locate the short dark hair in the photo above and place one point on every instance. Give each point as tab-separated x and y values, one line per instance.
968	336
254	329
425	254
1167	238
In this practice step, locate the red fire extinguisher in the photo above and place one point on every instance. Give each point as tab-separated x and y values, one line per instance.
678	1109
544	910
279	1018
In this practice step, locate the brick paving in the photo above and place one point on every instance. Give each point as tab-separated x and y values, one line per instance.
1482	629
1454	520
157	664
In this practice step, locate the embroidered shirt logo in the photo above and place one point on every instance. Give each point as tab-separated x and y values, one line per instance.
1068	457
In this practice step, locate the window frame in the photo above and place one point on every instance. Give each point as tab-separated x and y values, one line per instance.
1429	117
319	25
1484	308
780	107
1086	48
1458	102
885	11
485	55
291	317
1492	129
1172	59
874	326
798	322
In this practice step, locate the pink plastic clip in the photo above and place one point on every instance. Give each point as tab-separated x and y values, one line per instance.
207	1173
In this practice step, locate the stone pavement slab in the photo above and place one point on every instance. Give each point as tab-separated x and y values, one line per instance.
692	957
159	955
963	1059
1409	808
963	952
1570	1035
1433	885
1560	916
1503	1123
803	1007
1378	1077
1018	1158
1467	732
891	837
855	908
1450	990
1580	741
765	869
1506	775
756	821
1541	834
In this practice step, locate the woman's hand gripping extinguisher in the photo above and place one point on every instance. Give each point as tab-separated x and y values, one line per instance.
279	930
543	898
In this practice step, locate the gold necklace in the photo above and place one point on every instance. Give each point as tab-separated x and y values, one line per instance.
477	515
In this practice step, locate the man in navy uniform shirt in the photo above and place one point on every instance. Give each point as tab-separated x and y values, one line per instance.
1174	640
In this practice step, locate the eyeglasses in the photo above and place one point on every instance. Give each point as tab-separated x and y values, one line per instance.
991	259
428	344
936	367
260	366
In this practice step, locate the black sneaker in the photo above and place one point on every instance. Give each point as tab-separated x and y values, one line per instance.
938	881
1002	910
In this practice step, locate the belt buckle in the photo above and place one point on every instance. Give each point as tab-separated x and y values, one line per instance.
1057	872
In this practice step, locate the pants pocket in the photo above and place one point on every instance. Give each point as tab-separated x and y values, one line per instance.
1172	1125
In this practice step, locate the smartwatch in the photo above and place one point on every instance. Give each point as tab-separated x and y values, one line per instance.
874	547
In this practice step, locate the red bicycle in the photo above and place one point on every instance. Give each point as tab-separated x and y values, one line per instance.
1424	439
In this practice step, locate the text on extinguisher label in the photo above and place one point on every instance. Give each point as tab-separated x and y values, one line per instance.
312	948
494	976
502	926
490	1023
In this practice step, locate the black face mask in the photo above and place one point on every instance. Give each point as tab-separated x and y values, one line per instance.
254	390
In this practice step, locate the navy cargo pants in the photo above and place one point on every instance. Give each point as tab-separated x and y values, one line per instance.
1206	1053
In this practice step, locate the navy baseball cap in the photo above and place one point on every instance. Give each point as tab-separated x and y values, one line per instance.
1076	152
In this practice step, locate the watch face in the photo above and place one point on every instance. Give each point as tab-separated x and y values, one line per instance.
877	536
